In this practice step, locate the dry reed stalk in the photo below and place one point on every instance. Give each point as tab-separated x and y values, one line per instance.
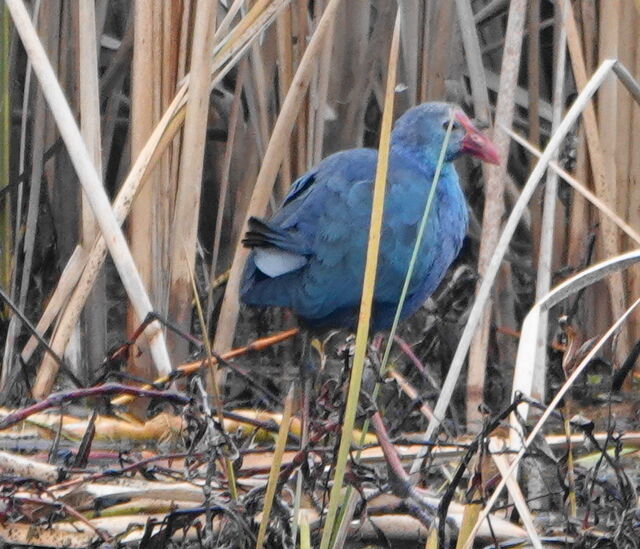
582	189
580	225
89	106
300	30
269	171
440	50
167	23
626	35
318	99
533	73
578	219
411	36
475	66
260	62
608	242
185	25
246	31
484	290
545	259
114	100
91	184
64	197
95	315
5	147
545	256
497	448
363	75
232	126
527	345
607	186
477	77
142	228
285	72
9	345
173	56
35	184
428	17
185	219
490	10
183	31
494	201
50	19
351	44
31	223
620	29
634	193
626	192
533	84
256	99
65	200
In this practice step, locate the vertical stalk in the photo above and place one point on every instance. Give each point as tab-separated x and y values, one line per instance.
142	234
91	183
368	288
95	315
5	144
185	219
494	191
543	279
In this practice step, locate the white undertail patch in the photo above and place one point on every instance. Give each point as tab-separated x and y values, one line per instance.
274	262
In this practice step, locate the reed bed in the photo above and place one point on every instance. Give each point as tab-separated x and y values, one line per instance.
137	138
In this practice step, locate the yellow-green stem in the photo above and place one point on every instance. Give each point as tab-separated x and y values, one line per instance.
403	294
368	289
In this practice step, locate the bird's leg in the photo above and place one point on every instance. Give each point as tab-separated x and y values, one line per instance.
306	382
376	344
307	373
305	387
374	354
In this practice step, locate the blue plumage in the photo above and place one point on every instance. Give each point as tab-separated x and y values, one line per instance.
310	255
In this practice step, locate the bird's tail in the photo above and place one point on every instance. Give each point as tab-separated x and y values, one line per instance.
262	234
260	290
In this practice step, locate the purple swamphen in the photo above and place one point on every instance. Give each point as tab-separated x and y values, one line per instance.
310	255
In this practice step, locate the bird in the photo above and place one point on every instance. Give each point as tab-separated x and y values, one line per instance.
309	256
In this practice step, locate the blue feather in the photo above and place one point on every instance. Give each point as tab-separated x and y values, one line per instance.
323	225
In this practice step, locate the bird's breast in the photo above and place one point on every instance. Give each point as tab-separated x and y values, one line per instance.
440	243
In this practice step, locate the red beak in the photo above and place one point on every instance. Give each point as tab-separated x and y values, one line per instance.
475	143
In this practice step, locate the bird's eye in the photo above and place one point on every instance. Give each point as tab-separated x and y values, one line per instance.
454	126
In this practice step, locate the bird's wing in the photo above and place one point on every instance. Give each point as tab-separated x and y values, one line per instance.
278	249
299	186
288	240
317	192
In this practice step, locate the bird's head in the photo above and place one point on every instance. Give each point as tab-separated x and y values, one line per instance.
422	130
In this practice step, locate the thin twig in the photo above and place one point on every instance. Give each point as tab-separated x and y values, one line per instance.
57	399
